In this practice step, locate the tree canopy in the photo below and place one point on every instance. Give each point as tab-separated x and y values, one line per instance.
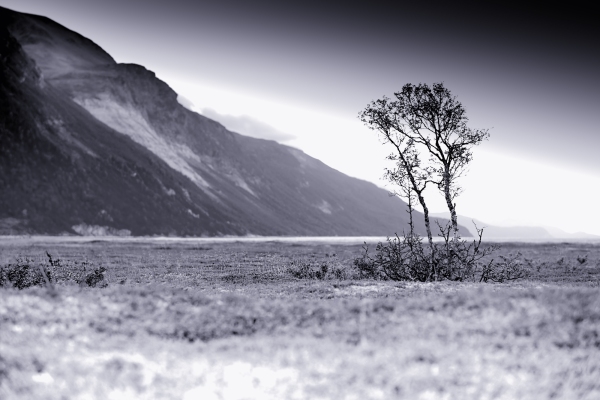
427	127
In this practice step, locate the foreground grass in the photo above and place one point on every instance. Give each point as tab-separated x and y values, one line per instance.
228	322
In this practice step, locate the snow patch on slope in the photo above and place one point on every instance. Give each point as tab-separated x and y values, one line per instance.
68	137
193	214
128	121
325	207
239	181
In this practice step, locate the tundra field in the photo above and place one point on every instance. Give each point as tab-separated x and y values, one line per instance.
285	320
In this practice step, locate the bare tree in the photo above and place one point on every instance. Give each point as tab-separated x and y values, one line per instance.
430	119
408	173
427	129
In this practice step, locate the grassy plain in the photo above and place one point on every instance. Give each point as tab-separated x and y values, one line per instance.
228	321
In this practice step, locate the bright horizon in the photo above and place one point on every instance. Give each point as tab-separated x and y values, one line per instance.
264	73
486	186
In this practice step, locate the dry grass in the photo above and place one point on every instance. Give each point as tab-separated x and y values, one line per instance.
226	321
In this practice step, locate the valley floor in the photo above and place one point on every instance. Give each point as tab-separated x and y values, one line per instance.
229	321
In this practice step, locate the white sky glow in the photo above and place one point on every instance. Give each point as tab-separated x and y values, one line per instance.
255	62
499	189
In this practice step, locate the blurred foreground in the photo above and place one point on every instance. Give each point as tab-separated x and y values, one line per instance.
231	321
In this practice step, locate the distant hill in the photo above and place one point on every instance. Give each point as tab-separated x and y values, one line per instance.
559	233
514	232
89	146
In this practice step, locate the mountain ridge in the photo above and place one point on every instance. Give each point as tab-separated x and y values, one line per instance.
87	142
514	231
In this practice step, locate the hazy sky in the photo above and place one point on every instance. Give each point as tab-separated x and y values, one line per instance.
301	71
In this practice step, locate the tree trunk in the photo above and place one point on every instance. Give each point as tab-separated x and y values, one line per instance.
451	206
453	218
410	215
429	236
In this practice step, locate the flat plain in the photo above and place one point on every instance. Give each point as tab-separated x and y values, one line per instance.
235	320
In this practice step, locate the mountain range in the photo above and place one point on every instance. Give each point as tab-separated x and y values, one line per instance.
515	232
91	146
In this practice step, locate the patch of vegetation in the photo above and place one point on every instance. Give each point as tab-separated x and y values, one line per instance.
509	268
427	128
23	274
328	268
407	259
27	272
202	324
460	339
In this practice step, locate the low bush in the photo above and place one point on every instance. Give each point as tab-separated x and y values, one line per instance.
306	268
26	272
406	258
23	274
509	268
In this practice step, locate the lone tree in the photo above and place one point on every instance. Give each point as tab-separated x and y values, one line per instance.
427	128
429	122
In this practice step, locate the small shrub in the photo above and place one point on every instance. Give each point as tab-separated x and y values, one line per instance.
96	277
535	264
400	259
367	269
321	270
77	272
303	269
407	259
26	273
510	268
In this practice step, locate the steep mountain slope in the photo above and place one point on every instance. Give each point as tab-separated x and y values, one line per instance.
87	142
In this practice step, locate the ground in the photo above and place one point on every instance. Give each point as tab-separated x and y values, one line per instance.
227	320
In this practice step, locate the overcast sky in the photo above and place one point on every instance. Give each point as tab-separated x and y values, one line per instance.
300	71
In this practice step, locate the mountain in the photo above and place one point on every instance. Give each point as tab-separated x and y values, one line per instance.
498	232
90	146
513	232
559	233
